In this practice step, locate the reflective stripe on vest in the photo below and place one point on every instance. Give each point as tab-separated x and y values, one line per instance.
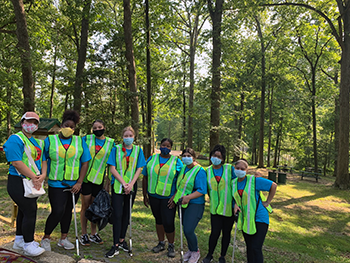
185	182
220	193
160	179
126	172
248	205
32	149
65	164
97	164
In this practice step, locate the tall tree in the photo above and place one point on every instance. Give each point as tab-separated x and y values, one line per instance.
215	11
24	50
82	49
129	54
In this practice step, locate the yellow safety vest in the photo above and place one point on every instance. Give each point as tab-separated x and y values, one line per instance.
220	193
32	149
65	164
160	179
121	166
248	204
98	163
185	182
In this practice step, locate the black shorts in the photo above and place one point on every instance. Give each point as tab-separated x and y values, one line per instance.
163	214
91	188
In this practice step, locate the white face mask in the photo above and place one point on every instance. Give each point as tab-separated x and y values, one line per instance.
240	173
29	127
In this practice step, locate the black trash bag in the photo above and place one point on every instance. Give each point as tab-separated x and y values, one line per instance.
100	210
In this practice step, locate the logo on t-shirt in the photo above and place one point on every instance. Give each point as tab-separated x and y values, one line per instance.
39	153
97	148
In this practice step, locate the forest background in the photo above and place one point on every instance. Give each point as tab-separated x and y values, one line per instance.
268	79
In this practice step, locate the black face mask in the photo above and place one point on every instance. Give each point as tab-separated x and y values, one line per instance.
99	133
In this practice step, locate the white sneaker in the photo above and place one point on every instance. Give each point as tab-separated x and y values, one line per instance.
65	243
194	257
18	244
187	255
45	244
32	249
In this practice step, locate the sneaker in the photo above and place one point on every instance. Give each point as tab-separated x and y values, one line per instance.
222	260
171	251
32	249
65	243
45	244
159	247
112	252
187	255
123	245
194	257
208	259
84	240
96	239
18	244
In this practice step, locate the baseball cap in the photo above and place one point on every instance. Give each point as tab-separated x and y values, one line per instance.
30	115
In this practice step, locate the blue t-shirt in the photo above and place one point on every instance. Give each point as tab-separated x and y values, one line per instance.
200	185
178	168
261	184
14	149
218	172
112	160
85	157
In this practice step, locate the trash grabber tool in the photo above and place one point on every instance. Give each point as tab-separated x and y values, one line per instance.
75	217
130	237
181	234
234	238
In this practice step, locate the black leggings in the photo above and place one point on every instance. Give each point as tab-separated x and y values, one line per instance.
121	213
163	214
26	216
220	224
255	242
61	210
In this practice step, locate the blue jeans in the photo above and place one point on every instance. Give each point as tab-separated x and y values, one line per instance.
190	218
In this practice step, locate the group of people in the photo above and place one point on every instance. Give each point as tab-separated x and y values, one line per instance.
168	182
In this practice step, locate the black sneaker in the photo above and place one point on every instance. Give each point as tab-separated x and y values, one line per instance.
96	239
171	251
222	260
208	259
112	252
84	240
123	245
159	247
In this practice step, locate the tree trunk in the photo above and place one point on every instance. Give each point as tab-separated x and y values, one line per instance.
82	49
184	113
8	112
270	126
148	149
277	147
24	50
216	16
262	102
190	99
129	54
53	82
336	135
314	132
342	179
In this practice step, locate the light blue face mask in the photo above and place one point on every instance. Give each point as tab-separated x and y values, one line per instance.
240	173
128	140
215	160
187	160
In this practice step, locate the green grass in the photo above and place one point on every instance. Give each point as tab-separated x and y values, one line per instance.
310	223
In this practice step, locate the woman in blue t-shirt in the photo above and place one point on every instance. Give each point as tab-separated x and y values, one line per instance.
253	218
219	177
159	185
20	168
190	189
126	161
67	157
